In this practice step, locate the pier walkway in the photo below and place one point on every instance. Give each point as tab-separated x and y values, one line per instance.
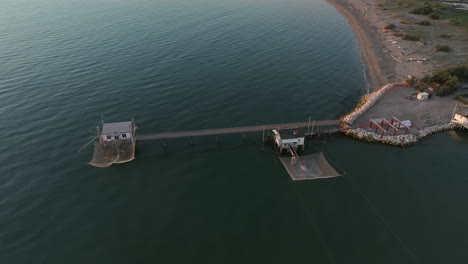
233	130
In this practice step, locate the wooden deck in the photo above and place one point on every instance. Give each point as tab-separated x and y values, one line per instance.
233	130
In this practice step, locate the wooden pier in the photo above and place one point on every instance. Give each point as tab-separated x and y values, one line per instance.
233	130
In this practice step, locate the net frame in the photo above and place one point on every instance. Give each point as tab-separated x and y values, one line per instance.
309	167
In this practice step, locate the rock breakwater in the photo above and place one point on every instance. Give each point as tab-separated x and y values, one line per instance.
366	102
399	140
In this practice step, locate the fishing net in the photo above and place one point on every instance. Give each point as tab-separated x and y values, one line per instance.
106	154
309	167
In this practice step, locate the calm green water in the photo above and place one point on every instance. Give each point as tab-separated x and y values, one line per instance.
177	65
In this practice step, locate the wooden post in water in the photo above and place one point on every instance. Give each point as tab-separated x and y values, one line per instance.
263	138
98	133
308	127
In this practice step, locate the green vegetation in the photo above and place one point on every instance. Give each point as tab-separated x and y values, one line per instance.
447	79
411	37
433	9
434	16
449	87
456	16
445	36
390	26
442	48
462	98
426	9
456	21
425	23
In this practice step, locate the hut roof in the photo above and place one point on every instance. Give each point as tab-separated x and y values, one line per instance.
117	128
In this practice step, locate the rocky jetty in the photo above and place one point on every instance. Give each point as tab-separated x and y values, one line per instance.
367	102
399	140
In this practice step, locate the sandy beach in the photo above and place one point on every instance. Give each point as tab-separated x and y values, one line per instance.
378	65
389	58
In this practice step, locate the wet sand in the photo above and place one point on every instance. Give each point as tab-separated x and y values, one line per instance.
379	65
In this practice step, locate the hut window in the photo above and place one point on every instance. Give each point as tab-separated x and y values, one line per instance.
124	135
116	137
109	137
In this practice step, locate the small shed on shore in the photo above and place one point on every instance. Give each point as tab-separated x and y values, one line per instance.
423	96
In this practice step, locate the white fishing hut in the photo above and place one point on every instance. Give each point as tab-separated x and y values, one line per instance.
117	131
116	144
288	141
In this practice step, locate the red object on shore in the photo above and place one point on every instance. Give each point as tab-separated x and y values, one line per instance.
377	126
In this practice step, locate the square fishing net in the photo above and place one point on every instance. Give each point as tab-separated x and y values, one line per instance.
309	167
106	154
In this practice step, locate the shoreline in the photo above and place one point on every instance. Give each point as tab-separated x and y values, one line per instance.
376	62
383	72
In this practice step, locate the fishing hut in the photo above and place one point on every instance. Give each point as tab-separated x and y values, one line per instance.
289	139
115	144
313	166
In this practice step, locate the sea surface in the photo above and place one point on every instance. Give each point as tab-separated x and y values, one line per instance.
195	64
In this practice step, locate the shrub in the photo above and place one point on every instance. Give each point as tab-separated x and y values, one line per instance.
449	79
449	87
423	10
410	37
444	90
445	36
425	23
440	76
390	26
443	48
444	75
434	16
457	22
461	72
462	98
426	78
